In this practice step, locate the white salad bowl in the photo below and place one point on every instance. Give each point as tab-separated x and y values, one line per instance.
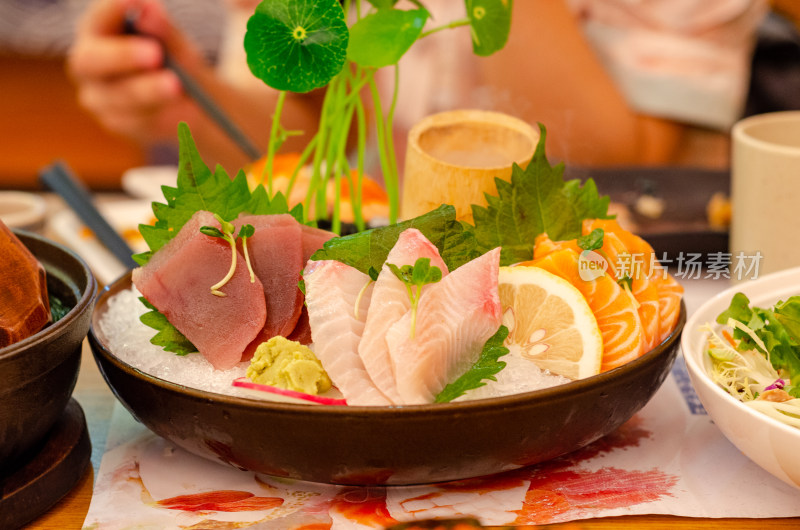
772	445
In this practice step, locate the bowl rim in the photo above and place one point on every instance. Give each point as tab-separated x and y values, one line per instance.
558	392
86	299
695	360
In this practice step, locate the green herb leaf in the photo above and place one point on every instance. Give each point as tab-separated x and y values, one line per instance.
592	241
168	337
487	365
383	4
212	232
58	309
373	274
296	45
490	21
369	249
381	38
739	309
418	275
536	200
246	231
778	329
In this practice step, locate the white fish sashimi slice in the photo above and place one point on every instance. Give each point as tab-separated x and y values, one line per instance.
388	305
455	318
332	292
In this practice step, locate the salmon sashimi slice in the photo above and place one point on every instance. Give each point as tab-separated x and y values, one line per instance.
620	263
543	245
614	308
276	255
389	303
177	281
641	253
670	292
455	317
338	298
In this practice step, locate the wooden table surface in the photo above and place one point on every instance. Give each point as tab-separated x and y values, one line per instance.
97	402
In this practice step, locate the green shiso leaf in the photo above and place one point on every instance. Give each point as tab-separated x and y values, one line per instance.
168	336
296	45
536	200
490	21
369	249
381	38
487	365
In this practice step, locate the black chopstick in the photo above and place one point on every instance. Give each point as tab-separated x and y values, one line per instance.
59	178
206	102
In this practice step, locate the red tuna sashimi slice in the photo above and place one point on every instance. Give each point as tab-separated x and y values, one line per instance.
302	331
388	305
178	281
313	239
455	318
337	305
276	255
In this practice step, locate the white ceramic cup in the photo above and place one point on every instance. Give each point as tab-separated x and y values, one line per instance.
765	195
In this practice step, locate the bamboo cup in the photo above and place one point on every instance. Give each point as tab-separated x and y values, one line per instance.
454	157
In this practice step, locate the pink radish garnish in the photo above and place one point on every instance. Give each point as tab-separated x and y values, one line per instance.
283	395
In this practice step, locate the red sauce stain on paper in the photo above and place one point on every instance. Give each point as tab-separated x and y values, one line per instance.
560	486
220	501
366	506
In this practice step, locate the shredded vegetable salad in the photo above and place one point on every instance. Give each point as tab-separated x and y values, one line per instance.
755	356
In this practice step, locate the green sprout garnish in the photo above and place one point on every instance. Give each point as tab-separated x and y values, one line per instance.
592	241
417	275
227	233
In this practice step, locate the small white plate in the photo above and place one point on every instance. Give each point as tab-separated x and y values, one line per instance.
19	209
145	182
124	216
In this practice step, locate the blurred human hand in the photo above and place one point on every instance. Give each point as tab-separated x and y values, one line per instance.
120	78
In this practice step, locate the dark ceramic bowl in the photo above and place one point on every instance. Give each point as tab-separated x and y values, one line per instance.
385	445
38	374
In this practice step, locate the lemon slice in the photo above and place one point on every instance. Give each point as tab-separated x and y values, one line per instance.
550	322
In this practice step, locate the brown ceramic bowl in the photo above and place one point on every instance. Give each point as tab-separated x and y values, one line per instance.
38	373
385	445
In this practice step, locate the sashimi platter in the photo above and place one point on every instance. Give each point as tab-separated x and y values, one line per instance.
426	350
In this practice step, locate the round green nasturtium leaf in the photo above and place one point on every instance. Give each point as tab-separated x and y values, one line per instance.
296	45
490	21
382	4
381	38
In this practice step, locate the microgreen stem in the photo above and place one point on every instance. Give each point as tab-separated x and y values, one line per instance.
355	195
247	261
300	163
382	141
319	149
414	302
273	133
392	182
215	289
360	296
451	25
